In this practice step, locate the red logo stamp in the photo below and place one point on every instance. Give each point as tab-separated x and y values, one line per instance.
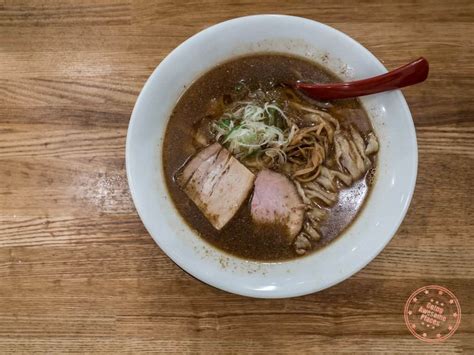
432	313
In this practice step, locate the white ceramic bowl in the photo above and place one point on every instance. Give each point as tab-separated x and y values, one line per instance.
372	230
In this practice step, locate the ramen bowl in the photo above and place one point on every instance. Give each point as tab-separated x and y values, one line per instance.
375	225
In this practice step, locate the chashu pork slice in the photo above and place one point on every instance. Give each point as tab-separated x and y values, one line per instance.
217	183
276	201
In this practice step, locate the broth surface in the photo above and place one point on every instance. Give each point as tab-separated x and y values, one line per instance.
241	237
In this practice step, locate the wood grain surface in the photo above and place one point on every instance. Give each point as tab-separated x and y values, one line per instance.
79	272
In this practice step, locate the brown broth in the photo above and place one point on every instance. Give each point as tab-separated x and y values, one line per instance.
241	237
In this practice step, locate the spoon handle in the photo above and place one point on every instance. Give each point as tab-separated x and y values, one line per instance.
409	74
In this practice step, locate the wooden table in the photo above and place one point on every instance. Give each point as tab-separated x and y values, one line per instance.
78	271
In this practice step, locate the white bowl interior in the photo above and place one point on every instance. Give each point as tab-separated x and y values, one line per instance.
376	224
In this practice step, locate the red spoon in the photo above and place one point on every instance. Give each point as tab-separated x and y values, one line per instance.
409	74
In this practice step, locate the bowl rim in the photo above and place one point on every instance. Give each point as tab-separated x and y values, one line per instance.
280	293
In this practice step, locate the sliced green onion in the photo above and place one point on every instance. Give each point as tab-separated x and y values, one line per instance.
248	128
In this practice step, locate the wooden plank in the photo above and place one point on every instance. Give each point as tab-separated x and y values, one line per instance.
79	272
